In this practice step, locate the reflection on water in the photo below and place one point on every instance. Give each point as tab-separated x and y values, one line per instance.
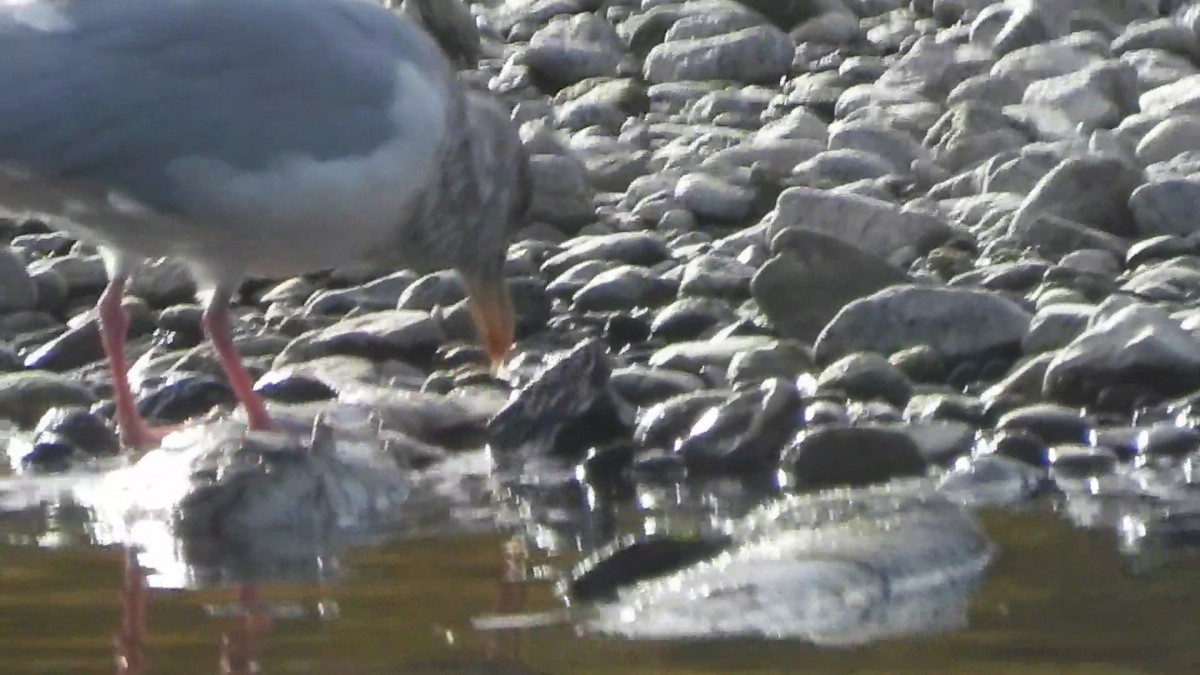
1056	599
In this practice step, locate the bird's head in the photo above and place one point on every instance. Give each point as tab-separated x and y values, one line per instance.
505	190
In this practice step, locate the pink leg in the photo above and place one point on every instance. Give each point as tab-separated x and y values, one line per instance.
130	641
216	324
114	324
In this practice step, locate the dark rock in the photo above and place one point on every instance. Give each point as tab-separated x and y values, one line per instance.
643	386
633	559
745	433
663	424
690	318
784	358
851	456
408	335
622	288
1078	462
183	396
867	376
1021	445
1053	424
65	435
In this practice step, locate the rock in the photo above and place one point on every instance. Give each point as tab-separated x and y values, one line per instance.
1053	236
400	334
713	198
697	355
1099	96
564	409
561	194
867	376
745	433
783	358
162	282
84	275
382	293
957	323
67	435
1138	345
662	425
1056	326
1050	423
755	54
851	456
716	275
26	396
642	386
570	49
1093	191
635	558
1169	138
875	226
630	248
1166	207
691	318
18	292
624	287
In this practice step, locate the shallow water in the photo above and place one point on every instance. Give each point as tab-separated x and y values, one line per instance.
1056	599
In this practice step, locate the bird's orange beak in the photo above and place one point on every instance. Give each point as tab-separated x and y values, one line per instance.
492	311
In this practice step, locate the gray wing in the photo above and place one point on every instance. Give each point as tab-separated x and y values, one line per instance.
112	91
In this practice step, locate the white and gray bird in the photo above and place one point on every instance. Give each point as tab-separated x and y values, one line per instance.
253	138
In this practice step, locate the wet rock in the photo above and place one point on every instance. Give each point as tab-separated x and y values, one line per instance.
1053	424
1070	463
66	435
943	406
182	396
1167	440
26	396
745	433
991	480
663	424
407	335
840	456
570	391
633	559
812	277
1021	446
957	323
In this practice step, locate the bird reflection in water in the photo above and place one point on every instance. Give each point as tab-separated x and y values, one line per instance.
240	645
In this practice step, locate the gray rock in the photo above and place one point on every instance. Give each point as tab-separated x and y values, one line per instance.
1166	207
813	276
697	356
624	287
1054	237
1056	326
26	396
568	50
745	433
400	334
18	292
757	54
784	358
710	197
631	248
1093	191
840	167
1138	345
84	275
436	289
957	323
716	275
561	196
1169	138
643	386
875	226
1181	97
1097	97
162	282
